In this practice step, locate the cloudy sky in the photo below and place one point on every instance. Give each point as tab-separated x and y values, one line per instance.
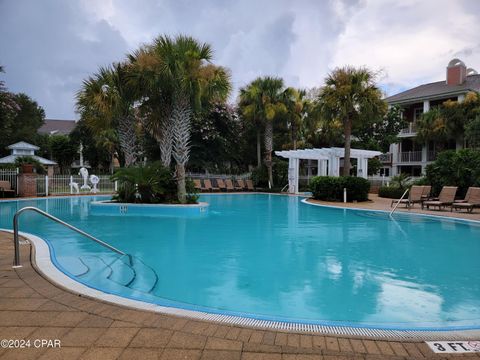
48	46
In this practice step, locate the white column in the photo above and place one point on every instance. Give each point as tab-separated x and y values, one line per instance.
319	167
365	168
360	167
295	181
291	175
426	106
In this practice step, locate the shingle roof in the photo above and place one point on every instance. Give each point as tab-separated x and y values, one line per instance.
22	145
60	127
10	159
436	89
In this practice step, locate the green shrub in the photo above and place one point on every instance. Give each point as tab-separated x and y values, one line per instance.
330	188
455	168
21	160
390	192
280	174
149	184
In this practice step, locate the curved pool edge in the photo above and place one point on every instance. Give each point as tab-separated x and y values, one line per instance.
404	213
42	262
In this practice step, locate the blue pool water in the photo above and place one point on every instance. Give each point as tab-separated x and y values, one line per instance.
274	257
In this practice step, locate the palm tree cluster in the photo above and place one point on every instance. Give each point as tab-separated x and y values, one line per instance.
156	89
349	101
167	89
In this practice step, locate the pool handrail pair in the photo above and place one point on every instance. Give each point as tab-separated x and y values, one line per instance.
16	262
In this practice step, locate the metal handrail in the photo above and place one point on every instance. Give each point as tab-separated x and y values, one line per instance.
284	188
16	262
398	202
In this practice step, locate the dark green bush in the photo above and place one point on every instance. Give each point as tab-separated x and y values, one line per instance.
280	174
149	184
455	168
390	192
330	188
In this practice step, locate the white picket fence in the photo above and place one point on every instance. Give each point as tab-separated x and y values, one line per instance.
64	185
10	175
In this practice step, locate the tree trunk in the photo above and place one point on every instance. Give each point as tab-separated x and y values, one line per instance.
181	142
268	150
182	193
348	141
165	141
127	138
259	150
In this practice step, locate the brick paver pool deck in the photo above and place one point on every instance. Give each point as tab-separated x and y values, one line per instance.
31	307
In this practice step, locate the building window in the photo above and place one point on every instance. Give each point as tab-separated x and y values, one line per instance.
417	113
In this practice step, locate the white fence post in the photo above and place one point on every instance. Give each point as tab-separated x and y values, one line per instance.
116	186
71	185
46	185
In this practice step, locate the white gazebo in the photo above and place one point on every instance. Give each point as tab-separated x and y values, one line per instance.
328	162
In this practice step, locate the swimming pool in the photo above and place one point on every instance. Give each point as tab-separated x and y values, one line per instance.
275	258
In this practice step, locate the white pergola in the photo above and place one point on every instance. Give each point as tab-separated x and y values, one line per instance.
328	162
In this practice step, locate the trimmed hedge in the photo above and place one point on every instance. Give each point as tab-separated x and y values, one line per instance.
330	188
391	192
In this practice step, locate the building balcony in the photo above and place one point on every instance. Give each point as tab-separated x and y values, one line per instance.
411	130
385	158
410	156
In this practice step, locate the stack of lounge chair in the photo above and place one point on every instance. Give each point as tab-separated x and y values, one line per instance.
223	185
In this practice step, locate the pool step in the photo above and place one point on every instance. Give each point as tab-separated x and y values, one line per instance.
146	278
106	270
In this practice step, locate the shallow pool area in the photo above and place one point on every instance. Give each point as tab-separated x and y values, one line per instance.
275	258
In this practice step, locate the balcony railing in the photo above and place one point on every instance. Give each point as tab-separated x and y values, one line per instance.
385	158
411	156
410	130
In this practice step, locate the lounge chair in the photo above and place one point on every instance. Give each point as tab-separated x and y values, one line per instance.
427	189
467	196
241	185
208	185
221	184
250	185
446	197
471	201
229	185
6	189
198	184
414	196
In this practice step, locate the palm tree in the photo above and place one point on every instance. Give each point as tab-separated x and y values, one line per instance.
262	102
351	96
145	76
186	80
297	108
106	101
250	105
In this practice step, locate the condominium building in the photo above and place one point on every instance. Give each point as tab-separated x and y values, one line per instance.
408	155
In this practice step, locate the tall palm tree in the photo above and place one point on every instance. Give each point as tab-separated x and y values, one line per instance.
351	96
250	105
186	80
297	106
106	101
262	102
146	77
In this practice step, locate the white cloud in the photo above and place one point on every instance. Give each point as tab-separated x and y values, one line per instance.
412	41
49	46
